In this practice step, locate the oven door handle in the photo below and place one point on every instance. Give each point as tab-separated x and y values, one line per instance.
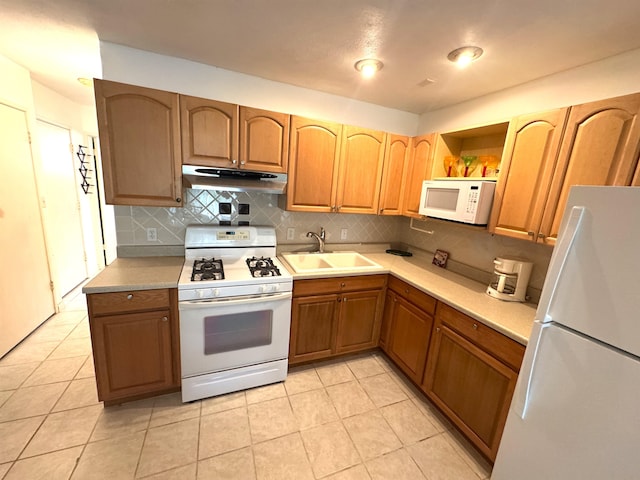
195	304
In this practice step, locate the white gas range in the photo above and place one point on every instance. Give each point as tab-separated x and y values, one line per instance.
235	310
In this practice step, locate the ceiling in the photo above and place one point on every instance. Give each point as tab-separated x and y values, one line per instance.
315	43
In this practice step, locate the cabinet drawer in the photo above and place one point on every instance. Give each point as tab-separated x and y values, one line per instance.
337	284
503	348
128	301
420	299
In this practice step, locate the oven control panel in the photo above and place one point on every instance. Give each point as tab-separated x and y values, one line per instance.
233	235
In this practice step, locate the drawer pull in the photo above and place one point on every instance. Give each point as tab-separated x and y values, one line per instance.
343	284
130	296
475	326
437	329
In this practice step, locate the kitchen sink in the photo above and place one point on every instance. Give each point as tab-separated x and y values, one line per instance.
324	262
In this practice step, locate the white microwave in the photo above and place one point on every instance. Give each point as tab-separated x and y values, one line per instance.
466	201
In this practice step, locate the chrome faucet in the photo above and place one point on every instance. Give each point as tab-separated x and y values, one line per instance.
320	239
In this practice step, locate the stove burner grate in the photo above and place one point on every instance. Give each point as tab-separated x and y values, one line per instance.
207	269
262	267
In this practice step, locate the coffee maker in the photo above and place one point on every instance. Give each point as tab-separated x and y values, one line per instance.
510	279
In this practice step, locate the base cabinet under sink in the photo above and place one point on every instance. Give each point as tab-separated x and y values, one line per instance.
332	316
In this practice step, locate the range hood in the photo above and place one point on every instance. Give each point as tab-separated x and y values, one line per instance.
232	180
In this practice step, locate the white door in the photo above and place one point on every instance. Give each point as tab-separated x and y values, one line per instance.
25	295
62	211
574	414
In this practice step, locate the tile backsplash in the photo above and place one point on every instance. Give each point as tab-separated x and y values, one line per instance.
204	206
473	248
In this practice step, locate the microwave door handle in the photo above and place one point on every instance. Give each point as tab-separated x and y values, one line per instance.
208	303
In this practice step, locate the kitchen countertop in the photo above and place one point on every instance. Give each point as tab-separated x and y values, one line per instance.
137	273
513	319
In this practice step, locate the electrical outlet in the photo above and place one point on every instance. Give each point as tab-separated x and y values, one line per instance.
291	233
343	234
152	235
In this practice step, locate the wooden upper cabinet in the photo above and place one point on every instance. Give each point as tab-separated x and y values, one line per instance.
530	154
360	170
419	169
600	147
264	140
314	150
396	159
209	132
140	144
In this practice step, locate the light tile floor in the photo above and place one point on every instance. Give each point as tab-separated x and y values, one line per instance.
351	419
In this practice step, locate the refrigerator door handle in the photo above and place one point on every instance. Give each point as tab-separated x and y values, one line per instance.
525	378
559	260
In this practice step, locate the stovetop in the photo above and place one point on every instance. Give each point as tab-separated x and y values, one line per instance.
231	262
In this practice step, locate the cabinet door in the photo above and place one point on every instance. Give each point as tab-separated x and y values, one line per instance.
132	354
140	144
600	147
419	169
531	151
264	140
387	320
395	162
409	338
314	150
209	132
314	325
360	170
359	320
470	386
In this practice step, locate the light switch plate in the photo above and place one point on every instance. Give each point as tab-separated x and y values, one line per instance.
343	234
291	233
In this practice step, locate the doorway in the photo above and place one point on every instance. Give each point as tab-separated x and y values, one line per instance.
62	213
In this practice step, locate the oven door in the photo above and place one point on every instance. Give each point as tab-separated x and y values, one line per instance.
221	334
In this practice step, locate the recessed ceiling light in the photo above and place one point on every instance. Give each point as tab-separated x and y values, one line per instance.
87	82
463	56
368	67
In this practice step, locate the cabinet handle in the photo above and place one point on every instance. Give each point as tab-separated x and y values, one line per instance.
381	210
406	290
178	200
475	326
333	208
345	299
437	329
542	236
164	319
531	234
242	162
343	284
234	161
339	299
130	296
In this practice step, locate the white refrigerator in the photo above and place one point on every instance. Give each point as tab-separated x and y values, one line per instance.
575	413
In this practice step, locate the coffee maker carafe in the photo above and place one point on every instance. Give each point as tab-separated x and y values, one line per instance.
510	279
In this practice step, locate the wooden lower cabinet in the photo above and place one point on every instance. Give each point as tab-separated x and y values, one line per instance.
407	324
331	316
471	375
134	336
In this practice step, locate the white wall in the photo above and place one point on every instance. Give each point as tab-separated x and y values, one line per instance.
15	85
128	65
611	77
54	108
